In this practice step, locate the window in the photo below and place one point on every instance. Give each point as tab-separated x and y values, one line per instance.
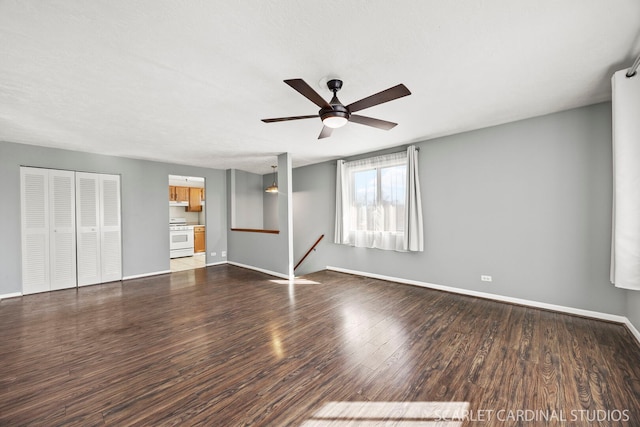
378	195
378	202
374	206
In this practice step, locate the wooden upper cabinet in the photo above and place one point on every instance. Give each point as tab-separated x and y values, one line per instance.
191	195
194	200
178	194
182	194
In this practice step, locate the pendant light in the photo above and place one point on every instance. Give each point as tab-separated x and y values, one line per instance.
273	188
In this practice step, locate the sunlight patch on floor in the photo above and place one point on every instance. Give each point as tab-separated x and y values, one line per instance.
294	282
401	414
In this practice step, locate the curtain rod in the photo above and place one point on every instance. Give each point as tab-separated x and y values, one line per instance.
632	71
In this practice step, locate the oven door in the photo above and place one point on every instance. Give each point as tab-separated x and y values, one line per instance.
181	243
182	239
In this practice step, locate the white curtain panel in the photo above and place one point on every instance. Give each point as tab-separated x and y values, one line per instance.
341	200
625	248
413	236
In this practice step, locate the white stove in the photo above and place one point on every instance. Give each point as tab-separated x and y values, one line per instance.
180	238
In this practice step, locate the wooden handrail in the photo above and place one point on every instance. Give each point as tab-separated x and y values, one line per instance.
256	230
308	252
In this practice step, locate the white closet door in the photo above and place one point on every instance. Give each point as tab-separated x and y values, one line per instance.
87	225
62	223
35	230
110	229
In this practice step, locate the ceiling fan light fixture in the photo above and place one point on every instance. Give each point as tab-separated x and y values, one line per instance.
334	122
336	116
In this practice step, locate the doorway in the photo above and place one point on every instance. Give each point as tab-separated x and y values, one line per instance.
187	228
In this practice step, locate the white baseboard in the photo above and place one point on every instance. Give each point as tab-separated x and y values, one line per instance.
501	298
632	329
262	270
139	276
11	295
217	263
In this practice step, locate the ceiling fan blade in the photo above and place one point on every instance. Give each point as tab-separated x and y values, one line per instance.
304	89
325	132
370	121
284	119
379	98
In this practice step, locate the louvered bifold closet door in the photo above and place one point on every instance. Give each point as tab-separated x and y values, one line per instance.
62	229
88	228
34	196
110	229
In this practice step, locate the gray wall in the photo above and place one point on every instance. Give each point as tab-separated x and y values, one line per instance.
314	207
528	203
272	252
145	207
246	193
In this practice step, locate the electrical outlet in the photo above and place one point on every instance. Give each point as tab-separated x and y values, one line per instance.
214	253
224	254
486	278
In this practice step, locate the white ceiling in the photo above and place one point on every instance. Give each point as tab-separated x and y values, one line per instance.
188	81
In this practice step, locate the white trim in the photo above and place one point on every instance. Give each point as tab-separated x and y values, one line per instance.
216	263
501	298
139	276
632	329
11	295
262	270
289	189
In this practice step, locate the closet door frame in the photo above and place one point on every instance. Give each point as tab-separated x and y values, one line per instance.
71	229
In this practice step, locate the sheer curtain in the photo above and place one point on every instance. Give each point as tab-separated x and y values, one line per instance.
378	202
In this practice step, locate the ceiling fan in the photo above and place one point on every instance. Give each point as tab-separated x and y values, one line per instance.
334	114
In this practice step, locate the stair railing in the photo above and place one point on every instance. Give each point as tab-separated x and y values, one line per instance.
308	252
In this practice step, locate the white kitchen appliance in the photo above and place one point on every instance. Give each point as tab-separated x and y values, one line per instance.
180	238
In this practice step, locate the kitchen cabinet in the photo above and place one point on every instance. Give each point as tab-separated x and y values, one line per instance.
182	194
178	194
199	239
191	197
195	202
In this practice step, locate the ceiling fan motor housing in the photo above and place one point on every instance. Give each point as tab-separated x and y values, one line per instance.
337	109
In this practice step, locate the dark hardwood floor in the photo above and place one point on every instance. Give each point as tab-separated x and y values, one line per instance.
225	346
